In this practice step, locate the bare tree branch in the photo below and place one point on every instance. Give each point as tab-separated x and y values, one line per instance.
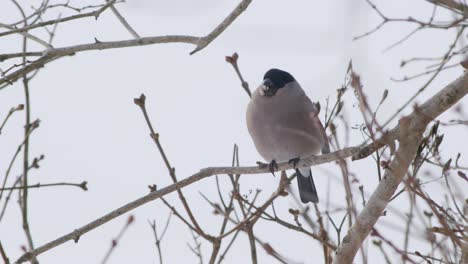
355	152
426	112
55	53
411	129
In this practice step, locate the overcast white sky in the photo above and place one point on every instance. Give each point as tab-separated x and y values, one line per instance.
91	130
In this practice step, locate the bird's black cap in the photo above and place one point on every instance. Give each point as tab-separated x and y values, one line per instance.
278	77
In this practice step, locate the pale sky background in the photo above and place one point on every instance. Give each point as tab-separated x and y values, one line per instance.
91	130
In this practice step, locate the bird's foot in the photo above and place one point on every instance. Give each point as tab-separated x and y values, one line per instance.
272	166
294	161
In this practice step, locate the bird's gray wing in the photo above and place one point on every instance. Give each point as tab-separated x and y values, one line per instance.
303	118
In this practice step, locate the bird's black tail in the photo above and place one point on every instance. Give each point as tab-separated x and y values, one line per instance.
307	190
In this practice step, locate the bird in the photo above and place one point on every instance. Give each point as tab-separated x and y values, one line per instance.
284	125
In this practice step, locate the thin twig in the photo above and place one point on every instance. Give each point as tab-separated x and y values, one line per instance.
233	61
28	128
155	136
81	185
10	113
116	240
29	36
5	258
158	238
35	165
123	21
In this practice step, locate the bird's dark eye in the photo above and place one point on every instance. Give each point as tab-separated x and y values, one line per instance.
268	83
